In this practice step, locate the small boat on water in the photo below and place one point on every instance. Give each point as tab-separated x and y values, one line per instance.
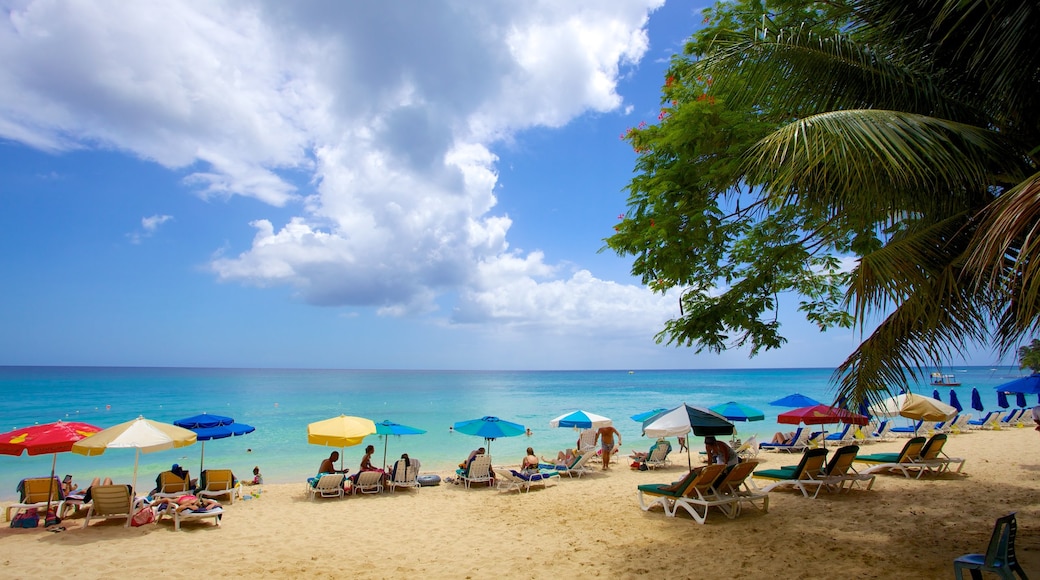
945	380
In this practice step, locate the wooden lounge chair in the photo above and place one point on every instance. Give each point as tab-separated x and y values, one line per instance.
111	501
734	483
665	494
328	485
807	472
902	461
218	483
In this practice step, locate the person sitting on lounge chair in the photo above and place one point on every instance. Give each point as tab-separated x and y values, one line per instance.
642	455
783	438
530	462
720	452
366	464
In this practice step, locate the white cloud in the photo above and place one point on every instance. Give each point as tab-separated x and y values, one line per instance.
149	225
391	109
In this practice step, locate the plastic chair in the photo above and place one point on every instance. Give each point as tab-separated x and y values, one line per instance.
999	557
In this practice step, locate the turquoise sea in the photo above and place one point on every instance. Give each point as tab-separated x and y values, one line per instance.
280	404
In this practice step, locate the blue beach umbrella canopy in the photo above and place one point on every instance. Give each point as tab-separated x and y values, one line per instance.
1029	385
976	401
738	412
386	428
490	428
1002	401
206	427
955	402
795	400
581	419
640	417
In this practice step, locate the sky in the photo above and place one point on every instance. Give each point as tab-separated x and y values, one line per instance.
417	184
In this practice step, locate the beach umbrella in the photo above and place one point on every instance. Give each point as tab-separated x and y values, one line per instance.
1020	399
52	438
640	417
581	419
820	415
343	431
685	418
954	401
386	428
738	412
207	427
490	428
935	395
1002	401
1029	385
795	400
976	400
142	435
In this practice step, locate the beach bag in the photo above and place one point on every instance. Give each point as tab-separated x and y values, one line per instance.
30	518
143	517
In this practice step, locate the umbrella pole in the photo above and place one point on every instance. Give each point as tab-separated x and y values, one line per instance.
133	489
386	439
202	458
50	486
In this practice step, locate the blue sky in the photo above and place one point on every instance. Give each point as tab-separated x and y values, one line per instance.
335	185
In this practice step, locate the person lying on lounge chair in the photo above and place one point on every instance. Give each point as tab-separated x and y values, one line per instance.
642	455
187	502
783	438
565	457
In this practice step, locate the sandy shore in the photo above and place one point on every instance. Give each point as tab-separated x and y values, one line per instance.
577	528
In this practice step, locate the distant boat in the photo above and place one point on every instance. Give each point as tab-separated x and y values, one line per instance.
945	380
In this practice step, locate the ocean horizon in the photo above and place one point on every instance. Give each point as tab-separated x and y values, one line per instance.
280	403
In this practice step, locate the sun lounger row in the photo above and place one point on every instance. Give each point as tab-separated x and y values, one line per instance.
814	471
713	486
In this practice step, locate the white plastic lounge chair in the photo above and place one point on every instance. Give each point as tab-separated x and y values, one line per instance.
839	471
368	482
798	442
587	440
842	437
216	513
577	468
960	425
933	459
403	475
658	457
478	471
328	485
218	483
171	486
510	479
748	449
1011	418
34	495
666	494
735	484
700	498
986	421
806	473
111	501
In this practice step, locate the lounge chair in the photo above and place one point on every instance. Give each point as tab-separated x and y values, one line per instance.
807	472
902	461
658	456
960	425
34	494
587	440
478	471
216	513
218	483
368	482
839	471
1011	418
999	557
799	441
576	468
933	459
510	479
748	449
884	431
170	485
910	431
328	485
699	498
403	474
111	501
666	494
734	483
990	421
846	435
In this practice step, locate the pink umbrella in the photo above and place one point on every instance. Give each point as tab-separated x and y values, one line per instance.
821	415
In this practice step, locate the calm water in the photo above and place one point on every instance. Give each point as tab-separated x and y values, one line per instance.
280	404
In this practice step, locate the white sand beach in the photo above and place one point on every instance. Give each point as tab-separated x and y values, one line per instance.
577	528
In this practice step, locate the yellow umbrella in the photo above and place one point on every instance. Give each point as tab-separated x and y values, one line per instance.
142	435
342	431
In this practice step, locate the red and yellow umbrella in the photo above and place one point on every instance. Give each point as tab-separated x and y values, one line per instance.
53	438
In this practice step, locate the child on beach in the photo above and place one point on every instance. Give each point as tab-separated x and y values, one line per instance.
258	479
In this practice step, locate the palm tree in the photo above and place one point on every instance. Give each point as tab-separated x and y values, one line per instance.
917	128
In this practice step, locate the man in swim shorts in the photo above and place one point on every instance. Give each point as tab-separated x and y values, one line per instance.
607	446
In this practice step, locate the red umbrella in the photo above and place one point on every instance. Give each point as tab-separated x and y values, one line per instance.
821	415
53	438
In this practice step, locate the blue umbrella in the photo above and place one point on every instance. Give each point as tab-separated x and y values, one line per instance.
976	401
954	401
387	428
1029	385
640	417
935	395
490	428
796	400
1020	400
208	427
737	412
1002	400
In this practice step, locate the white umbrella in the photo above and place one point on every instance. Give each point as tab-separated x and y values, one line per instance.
915	407
142	435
